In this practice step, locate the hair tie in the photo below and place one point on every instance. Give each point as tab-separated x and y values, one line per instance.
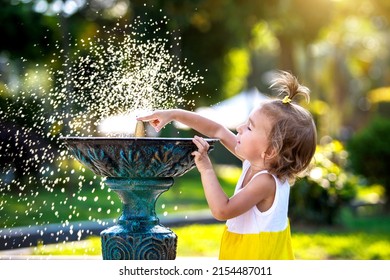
286	100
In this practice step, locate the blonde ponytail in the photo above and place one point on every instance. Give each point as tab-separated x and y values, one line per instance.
288	86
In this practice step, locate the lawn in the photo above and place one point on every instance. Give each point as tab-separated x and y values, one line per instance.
360	241
363	236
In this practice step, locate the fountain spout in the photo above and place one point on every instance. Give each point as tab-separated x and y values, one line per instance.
140	129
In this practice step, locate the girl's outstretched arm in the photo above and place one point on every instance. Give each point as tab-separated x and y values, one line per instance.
158	119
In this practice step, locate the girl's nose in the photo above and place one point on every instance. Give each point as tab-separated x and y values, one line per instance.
239	128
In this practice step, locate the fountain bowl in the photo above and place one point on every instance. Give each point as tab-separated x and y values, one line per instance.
135	157
139	170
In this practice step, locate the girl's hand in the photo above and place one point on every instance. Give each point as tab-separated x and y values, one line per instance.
157	119
202	159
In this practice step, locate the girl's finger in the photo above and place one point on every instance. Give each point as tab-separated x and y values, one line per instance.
146	118
195	153
198	143
200	140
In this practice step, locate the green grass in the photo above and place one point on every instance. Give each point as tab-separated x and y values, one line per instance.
347	246
360	238
364	236
193	240
308	244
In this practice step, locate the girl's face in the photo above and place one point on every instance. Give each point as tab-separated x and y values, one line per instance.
252	137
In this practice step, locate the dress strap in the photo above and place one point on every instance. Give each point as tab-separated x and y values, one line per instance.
259	173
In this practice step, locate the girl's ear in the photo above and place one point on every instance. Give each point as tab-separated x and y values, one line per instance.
270	153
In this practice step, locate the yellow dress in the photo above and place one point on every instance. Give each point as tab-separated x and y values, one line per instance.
256	246
257	235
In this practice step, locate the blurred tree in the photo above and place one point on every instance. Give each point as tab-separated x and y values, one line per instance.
23	32
296	24
205	33
339	53
369	152
348	60
201	31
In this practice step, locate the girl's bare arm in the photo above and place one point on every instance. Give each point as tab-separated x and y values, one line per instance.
158	119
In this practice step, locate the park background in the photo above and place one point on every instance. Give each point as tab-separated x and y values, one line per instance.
338	48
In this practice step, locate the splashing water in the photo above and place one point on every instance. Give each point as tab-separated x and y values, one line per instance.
117	78
102	78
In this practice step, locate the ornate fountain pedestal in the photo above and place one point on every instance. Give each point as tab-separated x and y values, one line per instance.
138	234
139	170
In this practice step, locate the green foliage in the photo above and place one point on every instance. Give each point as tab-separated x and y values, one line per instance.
237	70
318	197
369	153
31	30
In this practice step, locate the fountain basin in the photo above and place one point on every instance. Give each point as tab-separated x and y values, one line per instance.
139	170
135	157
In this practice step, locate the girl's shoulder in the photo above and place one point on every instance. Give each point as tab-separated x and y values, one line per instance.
264	179
267	182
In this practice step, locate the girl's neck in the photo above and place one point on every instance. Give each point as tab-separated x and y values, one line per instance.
256	167
250	172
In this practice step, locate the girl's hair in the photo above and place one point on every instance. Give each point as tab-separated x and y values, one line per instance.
293	135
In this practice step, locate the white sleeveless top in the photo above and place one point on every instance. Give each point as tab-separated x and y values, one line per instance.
255	221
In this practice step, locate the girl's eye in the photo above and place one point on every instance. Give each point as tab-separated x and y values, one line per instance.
249	128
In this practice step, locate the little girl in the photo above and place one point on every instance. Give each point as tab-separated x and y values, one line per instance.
275	144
